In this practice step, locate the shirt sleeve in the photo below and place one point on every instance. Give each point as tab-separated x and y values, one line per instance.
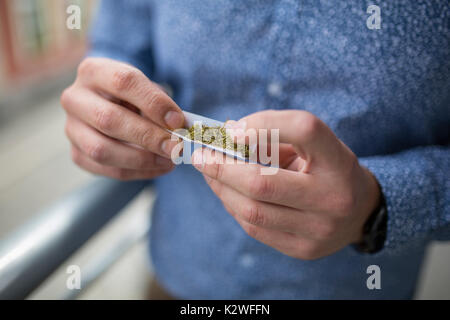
122	30
416	185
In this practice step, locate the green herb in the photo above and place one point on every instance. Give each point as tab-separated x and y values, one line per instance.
216	136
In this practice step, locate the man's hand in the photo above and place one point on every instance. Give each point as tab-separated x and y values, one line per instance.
317	202
115	121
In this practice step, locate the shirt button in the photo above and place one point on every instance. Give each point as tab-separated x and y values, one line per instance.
274	89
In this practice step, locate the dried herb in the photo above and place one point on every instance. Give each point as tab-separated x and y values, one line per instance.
216	136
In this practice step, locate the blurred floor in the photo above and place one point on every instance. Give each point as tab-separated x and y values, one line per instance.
35	162
37	170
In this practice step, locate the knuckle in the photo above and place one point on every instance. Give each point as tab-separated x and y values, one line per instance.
215	169
251	230
267	116
86	67
252	214
105	118
124	79
260	187
66	98
155	99
326	230
308	125
308	251
97	152
145	137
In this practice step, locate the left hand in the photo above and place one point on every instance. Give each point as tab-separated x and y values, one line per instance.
317	202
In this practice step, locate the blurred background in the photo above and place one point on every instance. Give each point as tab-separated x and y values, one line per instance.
38	58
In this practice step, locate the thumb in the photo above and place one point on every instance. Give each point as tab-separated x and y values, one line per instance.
311	138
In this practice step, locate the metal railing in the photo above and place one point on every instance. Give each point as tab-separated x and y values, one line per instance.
31	254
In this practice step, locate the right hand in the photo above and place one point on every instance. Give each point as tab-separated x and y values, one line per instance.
115	121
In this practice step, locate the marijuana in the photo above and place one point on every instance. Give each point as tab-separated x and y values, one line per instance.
216	136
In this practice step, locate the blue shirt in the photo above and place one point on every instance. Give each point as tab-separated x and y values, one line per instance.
385	93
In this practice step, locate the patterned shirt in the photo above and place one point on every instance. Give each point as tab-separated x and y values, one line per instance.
384	92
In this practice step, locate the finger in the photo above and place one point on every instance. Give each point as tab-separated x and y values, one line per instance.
120	102
286	187
289	159
110	152
115	121
284	242
96	168
130	84
270	216
313	140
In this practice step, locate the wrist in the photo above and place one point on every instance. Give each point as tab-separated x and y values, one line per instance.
371	199
374	230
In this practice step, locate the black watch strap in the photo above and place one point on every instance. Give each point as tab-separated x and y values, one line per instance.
375	229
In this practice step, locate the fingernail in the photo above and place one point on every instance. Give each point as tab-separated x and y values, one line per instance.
163	162
174	119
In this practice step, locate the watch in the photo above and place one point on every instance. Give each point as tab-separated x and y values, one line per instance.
375	229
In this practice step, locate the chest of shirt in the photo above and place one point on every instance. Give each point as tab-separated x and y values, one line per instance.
314	55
